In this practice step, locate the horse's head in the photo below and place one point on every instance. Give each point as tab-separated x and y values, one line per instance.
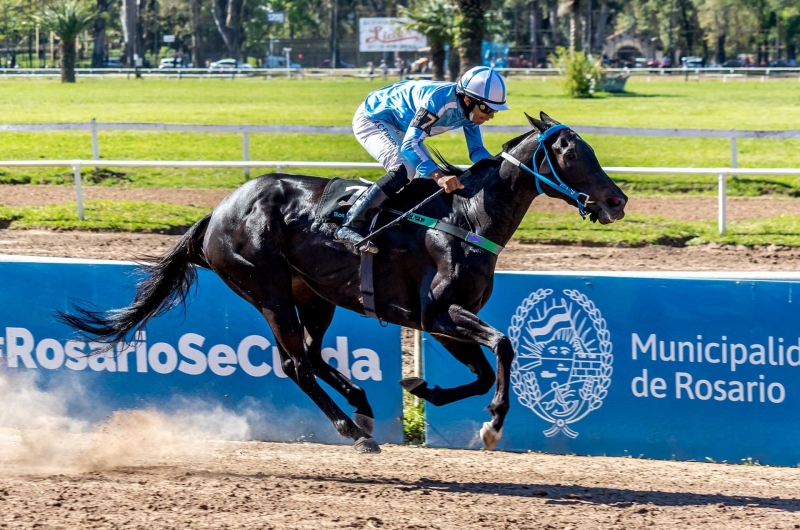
574	163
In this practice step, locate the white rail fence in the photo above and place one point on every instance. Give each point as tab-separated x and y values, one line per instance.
762	73
77	165
94	127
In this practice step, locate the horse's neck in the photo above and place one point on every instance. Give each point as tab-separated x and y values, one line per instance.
497	210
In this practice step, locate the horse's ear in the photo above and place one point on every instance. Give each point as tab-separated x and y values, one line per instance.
548	120
540	126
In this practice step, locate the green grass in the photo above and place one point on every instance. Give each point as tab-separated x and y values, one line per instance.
661	103
667	104
125	216
638	230
413	419
634	230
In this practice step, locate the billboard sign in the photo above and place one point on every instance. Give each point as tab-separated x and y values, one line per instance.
662	367
388	35
220	354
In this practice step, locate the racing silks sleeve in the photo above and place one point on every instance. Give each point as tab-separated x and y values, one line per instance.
477	151
412	148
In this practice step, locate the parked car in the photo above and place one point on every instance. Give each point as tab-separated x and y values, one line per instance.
692	62
276	61
733	63
663	63
326	63
169	62
228	65
519	62
113	62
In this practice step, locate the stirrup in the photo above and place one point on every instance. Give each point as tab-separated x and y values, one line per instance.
366	247
348	236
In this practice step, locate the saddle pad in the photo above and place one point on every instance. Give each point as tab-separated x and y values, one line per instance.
337	198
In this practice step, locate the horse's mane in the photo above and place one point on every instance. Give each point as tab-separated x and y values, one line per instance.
444	166
511	144
479	172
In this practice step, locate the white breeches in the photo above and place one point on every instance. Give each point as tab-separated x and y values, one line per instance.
382	141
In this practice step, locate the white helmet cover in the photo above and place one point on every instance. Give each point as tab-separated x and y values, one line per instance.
486	85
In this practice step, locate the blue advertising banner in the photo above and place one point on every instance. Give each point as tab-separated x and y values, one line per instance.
220	354
625	365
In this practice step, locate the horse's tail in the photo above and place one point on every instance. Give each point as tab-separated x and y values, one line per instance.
169	278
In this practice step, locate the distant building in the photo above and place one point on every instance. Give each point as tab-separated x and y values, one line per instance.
626	46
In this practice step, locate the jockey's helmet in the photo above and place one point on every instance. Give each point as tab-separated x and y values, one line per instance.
486	86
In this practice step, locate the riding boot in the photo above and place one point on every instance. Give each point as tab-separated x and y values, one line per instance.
355	223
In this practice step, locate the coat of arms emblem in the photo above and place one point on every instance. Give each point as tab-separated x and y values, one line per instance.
562	368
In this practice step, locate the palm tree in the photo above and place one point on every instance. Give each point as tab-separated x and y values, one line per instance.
435	20
67	19
573	9
471	24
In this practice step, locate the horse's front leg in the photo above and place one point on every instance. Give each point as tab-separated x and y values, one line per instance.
460	324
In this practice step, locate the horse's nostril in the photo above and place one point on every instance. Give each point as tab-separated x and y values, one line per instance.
613	201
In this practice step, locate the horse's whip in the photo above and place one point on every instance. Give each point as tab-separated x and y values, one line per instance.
387	226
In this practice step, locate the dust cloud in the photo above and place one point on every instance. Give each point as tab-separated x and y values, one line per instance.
38	434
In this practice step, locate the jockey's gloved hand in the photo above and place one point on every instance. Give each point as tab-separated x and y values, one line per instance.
449	183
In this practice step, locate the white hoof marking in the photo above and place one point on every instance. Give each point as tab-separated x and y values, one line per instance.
489	436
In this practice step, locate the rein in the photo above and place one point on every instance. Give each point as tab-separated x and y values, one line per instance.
559	185
465	235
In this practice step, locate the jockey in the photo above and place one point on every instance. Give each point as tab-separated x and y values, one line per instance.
393	123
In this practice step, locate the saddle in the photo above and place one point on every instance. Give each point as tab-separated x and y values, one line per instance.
338	197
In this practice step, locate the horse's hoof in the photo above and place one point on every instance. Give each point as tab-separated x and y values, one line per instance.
411	383
489	436
365	423
366	445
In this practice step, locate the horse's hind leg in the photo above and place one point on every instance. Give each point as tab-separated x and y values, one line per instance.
268	286
469	354
316	314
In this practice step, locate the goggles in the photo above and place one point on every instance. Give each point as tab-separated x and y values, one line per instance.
483	107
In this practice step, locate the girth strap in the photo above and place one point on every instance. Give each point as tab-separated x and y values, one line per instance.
366	272
366	269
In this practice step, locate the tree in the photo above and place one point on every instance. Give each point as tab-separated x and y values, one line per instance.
99	34
471	26
195	10
228	16
573	9
67	19
435	20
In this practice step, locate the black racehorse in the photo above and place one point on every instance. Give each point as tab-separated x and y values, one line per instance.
264	243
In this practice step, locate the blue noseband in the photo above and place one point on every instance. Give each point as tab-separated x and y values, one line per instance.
581	198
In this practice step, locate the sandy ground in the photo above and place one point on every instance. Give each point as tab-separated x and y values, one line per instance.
516	256
303	486
144	471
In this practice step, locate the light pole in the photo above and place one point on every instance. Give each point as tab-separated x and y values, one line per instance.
288	67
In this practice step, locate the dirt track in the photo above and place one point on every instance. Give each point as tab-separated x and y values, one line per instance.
146	473
304	486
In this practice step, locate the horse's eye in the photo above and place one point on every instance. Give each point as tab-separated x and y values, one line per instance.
570	155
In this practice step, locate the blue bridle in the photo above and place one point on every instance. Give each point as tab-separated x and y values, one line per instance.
559	185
